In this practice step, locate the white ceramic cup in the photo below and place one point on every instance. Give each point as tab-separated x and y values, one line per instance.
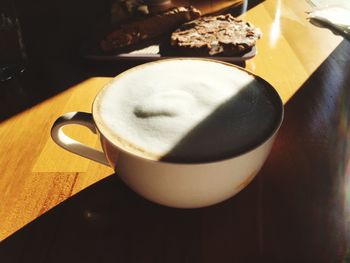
181	185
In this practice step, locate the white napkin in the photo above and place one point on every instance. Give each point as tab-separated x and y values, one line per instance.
332	14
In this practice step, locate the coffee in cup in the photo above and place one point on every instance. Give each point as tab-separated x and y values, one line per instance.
190	111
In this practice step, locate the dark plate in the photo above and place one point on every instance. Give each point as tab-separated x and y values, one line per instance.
152	50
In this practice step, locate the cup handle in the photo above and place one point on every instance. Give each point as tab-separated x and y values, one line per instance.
66	142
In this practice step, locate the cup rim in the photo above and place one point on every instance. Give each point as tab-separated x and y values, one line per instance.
279	104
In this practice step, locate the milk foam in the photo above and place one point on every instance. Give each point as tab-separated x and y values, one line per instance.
154	107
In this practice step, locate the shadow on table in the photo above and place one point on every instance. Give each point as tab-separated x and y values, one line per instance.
107	222
305	182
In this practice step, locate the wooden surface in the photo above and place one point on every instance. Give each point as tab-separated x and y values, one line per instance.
59	207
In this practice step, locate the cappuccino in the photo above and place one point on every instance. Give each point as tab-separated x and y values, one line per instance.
187	110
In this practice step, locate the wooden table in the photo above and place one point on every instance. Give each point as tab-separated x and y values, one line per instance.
59	207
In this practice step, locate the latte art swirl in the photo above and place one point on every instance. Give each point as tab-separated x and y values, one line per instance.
169	103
